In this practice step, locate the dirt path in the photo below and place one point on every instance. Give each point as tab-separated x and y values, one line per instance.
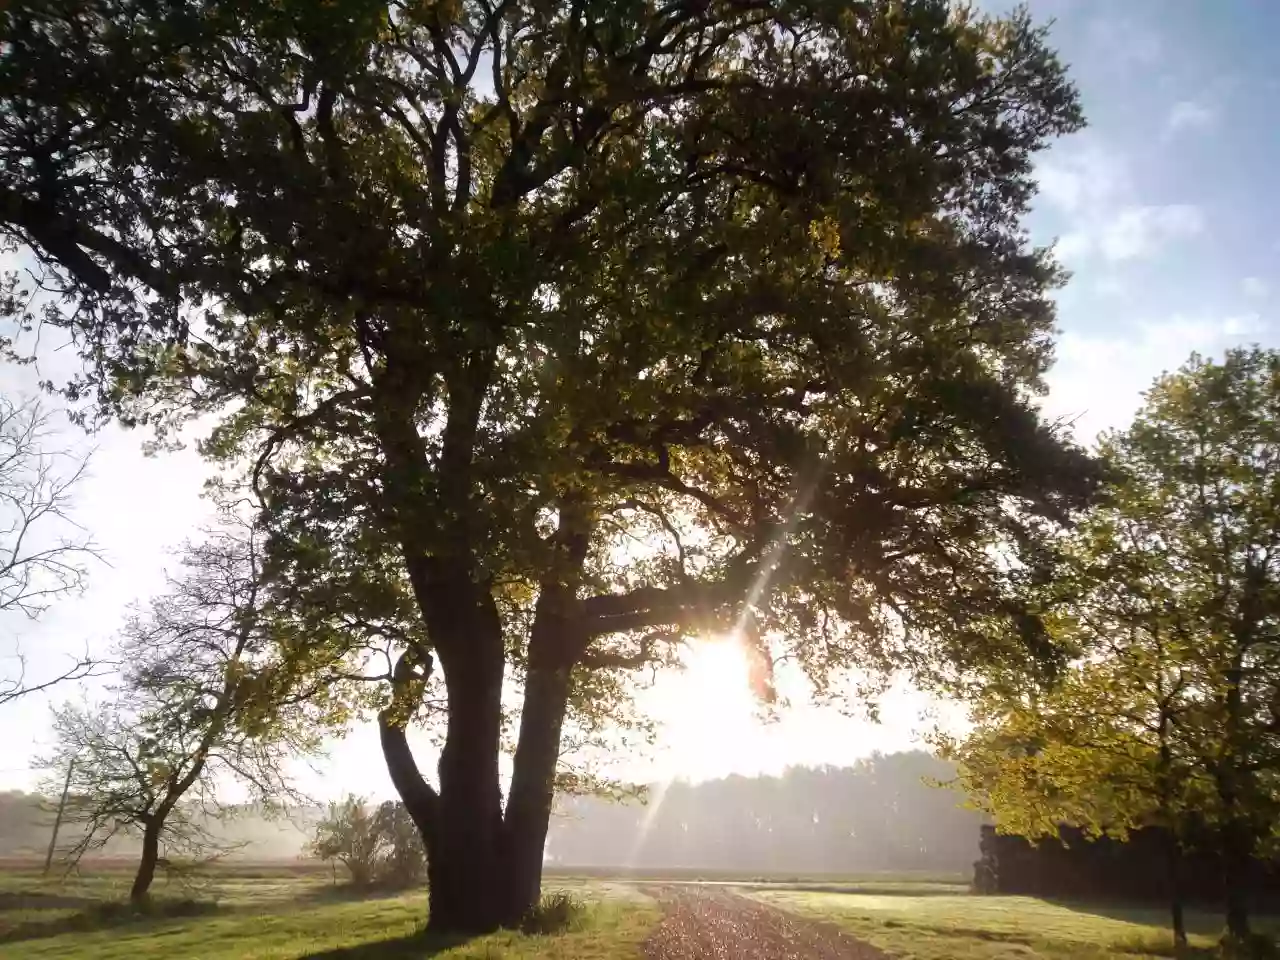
708	924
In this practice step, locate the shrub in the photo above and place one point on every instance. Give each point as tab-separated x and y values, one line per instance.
555	913
378	846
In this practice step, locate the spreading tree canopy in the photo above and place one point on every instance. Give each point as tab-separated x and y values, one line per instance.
552	332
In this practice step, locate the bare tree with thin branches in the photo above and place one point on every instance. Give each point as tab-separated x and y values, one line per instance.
44	553
203	700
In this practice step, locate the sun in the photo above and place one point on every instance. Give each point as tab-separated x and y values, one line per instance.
709	711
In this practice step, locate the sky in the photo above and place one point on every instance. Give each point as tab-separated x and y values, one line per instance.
1164	211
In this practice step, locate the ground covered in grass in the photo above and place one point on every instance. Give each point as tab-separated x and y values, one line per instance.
289	918
283	914
966	927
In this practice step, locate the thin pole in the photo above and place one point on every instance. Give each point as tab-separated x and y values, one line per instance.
57	821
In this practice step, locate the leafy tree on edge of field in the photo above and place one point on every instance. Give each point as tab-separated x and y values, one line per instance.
1171	714
550	334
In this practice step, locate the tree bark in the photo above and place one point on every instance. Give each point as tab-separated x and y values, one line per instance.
1176	913
1236	861
147	865
415	793
529	803
1237	845
464	867
557	641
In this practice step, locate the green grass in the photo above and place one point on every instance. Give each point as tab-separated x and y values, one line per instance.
283	918
965	927
295	914
834	878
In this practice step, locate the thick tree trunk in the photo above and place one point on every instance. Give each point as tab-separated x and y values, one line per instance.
147	865
1236	863
1176	913
532	793
1237	845
464	859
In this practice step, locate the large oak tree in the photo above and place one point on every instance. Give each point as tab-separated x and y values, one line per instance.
571	328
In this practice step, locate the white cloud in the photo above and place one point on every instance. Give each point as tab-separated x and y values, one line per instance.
1130	232
1137	232
1099	380
1242	325
1255	287
1189	115
1110	286
1090	189
1126	42
1082	179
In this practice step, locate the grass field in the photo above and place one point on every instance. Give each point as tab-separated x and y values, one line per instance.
287	912
965	927
284	915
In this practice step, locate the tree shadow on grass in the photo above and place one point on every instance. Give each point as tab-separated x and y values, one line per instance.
415	945
1202	918
105	915
39	900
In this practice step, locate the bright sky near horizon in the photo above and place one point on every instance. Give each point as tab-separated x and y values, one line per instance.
1165	213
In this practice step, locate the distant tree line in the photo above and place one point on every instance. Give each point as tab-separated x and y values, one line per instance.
880	814
1084	867
26	820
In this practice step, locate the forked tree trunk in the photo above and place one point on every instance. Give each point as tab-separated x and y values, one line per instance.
147	865
532	792
484	871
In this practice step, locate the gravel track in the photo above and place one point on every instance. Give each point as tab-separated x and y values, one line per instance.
708	924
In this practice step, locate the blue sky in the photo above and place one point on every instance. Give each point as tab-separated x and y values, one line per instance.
1164	209
1164	206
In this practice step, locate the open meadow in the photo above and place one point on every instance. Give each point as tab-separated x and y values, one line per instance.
292	912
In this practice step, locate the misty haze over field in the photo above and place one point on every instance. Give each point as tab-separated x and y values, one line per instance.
879	815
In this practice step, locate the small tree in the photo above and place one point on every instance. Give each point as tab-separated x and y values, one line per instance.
201	701
380	845
131	777
349	834
43	553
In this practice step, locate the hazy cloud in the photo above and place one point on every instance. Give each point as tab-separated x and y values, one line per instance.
1098	380
1138	231
1131	233
1077	181
1126	42
1189	115
1255	287
1092	192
